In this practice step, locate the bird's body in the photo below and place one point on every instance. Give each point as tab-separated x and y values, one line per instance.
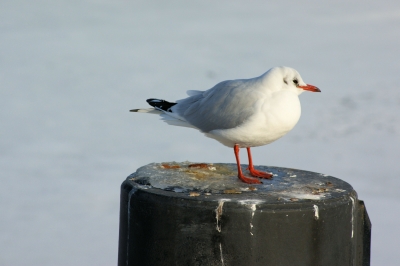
240	113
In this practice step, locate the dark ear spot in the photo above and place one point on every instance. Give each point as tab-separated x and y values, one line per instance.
285	81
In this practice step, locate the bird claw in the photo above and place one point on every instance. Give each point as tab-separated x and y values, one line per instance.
256	173
249	180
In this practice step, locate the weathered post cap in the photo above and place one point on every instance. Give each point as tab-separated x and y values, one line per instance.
202	214
211	181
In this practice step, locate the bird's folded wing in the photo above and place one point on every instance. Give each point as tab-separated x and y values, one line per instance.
226	105
193	92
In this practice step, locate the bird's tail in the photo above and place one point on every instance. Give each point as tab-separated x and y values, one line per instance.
147	110
163	108
159	107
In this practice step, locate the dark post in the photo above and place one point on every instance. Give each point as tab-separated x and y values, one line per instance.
200	214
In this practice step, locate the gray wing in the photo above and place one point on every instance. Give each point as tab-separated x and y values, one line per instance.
227	105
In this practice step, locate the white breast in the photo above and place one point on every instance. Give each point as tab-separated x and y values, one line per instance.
270	121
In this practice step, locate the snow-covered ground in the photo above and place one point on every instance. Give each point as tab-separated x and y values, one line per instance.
71	70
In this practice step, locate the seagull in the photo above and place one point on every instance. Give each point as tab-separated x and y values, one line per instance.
241	113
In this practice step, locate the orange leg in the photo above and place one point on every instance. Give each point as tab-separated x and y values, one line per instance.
242	177
253	171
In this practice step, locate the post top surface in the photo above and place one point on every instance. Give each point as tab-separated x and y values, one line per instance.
213	181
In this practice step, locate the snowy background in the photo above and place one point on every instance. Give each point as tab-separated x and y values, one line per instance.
71	70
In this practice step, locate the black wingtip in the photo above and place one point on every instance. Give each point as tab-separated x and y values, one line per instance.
155	101
160	104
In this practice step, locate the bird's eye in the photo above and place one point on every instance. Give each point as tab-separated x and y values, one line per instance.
295	81
285	81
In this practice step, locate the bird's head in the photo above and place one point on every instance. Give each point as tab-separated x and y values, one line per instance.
286	78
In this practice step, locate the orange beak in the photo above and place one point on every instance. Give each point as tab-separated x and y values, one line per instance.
309	87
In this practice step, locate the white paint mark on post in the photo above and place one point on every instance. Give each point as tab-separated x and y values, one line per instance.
252	204
316	212
221	254
218	213
352	216
253	208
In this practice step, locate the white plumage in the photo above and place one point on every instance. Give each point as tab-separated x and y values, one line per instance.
240	113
